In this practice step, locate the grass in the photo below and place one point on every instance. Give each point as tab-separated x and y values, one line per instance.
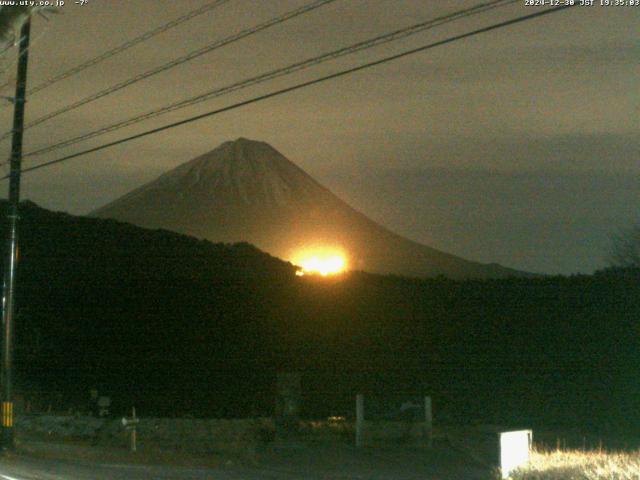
580	465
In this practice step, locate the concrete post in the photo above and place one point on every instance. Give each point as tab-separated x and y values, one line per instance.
428	420
288	399
359	420
134	439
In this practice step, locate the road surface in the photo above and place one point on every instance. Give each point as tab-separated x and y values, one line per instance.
308	463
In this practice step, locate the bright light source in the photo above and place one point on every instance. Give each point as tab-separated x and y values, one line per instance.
514	450
320	261
323	266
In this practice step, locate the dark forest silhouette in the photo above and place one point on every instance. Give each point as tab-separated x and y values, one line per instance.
182	326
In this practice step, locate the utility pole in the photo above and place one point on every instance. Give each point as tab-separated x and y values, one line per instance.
8	294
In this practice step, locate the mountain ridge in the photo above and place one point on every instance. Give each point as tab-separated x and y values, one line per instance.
245	190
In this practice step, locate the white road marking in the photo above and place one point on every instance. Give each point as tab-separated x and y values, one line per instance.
7	477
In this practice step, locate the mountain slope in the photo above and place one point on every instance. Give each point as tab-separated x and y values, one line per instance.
247	191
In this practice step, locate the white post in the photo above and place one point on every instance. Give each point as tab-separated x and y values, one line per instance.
428	420
359	419
133	431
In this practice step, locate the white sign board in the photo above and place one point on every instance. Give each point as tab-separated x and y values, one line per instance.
514	450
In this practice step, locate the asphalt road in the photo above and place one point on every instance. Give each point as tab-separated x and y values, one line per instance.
39	469
316	463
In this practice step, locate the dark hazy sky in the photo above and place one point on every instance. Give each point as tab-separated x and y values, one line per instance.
519	146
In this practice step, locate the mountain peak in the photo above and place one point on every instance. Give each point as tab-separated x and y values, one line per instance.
237	153
242	146
245	141
255	170
238	172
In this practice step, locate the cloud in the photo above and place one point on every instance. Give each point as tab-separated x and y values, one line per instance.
553	215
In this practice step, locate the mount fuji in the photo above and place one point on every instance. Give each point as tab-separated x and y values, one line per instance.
247	191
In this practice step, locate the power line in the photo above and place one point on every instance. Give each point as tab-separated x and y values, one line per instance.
375	41
127	45
302	85
174	63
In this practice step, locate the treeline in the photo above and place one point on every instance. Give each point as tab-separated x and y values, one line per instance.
181	326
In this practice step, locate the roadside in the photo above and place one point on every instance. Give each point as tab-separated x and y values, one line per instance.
278	460
87	447
84	452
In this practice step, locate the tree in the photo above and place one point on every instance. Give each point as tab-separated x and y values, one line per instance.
625	251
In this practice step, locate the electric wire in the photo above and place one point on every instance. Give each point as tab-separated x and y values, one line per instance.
279	72
299	86
127	45
174	63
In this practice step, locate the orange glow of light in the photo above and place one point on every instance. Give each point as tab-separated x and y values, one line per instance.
320	261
